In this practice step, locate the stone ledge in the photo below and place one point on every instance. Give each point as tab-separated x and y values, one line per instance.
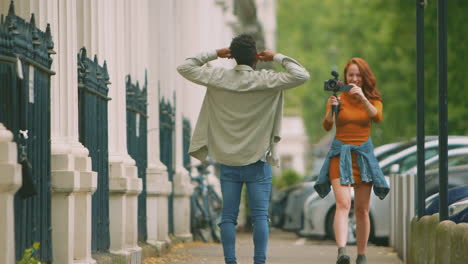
184	190
158	188
11	179
130	257
5	134
62	162
135	186
118	185
91	261
117	170
157	183
131	171
184	237
155	248
182	184
434	242
88	181
8	152
83	163
65	181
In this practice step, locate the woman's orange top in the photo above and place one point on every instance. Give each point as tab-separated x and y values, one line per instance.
353	126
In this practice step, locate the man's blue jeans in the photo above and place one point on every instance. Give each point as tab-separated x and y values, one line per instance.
257	177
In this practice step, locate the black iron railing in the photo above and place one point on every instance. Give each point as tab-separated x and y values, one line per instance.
167	127
93	134
25	110
137	141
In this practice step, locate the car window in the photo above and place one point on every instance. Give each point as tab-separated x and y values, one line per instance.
411	160
452	161
395	150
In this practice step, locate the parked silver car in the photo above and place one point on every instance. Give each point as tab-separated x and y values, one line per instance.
458	164
407	159
319	213
293	219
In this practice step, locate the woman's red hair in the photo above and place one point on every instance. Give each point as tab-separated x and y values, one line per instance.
368	79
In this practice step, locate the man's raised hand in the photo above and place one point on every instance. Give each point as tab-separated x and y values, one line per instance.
224	53
266	55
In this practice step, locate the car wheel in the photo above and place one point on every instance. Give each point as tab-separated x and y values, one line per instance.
351	225
298	231
277	220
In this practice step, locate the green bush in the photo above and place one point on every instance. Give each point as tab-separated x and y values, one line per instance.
28	256
287	178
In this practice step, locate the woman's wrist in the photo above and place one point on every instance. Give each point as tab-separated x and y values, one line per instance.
329	117
363	99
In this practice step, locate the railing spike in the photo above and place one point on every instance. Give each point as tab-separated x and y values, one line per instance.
50	42
35	37
33	20
11	10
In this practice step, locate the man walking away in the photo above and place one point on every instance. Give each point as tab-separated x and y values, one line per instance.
239	126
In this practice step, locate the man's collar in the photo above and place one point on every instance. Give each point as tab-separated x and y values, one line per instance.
243	67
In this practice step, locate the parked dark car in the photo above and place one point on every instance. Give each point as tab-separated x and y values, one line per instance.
454	195
457	176
458	204
458	211
279	199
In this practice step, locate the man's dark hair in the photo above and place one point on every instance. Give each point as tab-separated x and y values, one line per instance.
243	49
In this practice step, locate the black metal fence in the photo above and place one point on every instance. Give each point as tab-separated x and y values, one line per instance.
187	133
93	133
25	110
166	137
137	141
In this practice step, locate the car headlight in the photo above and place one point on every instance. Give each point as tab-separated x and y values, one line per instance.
312	198
458	207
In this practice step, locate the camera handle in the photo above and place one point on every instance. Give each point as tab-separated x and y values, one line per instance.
336	108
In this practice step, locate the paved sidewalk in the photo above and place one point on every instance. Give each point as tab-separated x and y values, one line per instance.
284	248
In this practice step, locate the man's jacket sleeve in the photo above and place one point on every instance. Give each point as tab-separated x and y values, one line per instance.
195	69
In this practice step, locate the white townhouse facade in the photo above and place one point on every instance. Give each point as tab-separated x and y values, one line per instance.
127	42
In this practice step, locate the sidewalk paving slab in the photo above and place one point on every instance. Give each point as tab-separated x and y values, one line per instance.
284	248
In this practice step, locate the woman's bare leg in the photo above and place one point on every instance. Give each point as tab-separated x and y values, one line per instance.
343	204
361	209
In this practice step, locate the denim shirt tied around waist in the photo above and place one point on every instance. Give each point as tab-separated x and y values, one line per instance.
367	163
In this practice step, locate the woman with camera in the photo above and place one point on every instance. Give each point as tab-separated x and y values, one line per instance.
351	161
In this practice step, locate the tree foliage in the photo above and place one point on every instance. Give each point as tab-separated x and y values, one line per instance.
287	178
324	35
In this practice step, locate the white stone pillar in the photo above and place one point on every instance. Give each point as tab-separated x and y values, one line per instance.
138	65
10	182
124	183
183	188
165	69
83	212
71	166
64	124
118	182
4	7
158	187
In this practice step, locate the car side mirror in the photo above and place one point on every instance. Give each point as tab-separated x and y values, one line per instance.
395	168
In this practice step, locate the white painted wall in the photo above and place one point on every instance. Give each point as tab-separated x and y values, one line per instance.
293	145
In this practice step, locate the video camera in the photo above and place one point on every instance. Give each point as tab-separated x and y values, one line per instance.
335	85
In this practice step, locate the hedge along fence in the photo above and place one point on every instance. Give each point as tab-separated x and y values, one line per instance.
437	242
